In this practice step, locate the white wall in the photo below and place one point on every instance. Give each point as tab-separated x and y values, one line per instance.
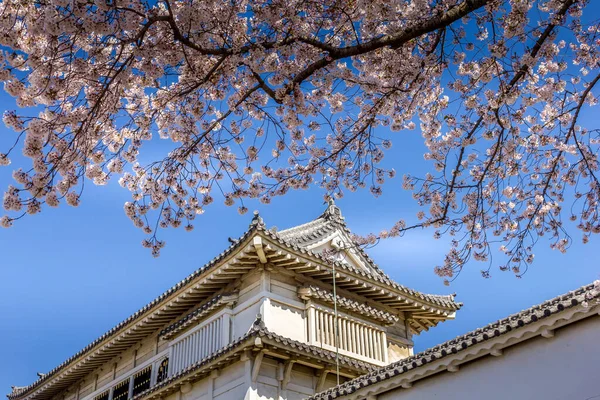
564	367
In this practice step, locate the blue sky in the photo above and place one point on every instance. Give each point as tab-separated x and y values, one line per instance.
68	275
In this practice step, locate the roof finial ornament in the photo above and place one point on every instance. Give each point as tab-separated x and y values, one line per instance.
333	211
259	323
257	219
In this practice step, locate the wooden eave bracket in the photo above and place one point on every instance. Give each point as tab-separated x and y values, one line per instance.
322	378
260	251
256	367
186	388
287	374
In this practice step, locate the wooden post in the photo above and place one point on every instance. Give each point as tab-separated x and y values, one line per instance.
256	366
225	337
130	391
312	326
171	362
384	347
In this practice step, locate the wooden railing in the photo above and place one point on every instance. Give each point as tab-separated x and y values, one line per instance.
134	381
354	338
198	343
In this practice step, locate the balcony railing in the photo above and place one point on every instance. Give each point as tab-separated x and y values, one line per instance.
199	343
354	338
134	381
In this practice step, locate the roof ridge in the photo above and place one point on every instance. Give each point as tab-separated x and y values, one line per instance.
301	226
332	213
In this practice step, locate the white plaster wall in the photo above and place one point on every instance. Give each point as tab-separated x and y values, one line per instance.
284	289
244	317
267	385
250	288
231	383
564	367
286	320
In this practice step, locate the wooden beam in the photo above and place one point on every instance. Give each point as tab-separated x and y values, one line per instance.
287	374
256	367
420	325
258	245
321	382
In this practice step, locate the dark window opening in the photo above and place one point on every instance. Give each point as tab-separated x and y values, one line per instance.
103	396
141	380
121	391
162	370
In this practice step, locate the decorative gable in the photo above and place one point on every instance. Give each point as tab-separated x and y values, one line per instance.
329	233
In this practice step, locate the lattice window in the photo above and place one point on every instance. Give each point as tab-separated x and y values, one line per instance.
103	396
141	380
121	391
162	370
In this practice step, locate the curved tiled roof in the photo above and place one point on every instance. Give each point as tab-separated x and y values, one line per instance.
196	315
509	324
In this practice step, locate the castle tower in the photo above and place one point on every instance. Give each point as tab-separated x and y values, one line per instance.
277	315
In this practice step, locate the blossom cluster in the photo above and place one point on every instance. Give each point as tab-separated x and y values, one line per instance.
252	99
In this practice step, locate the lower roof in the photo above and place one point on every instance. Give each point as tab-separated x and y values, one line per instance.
507	328
258	338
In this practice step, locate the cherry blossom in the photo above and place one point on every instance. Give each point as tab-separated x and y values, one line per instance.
252	99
